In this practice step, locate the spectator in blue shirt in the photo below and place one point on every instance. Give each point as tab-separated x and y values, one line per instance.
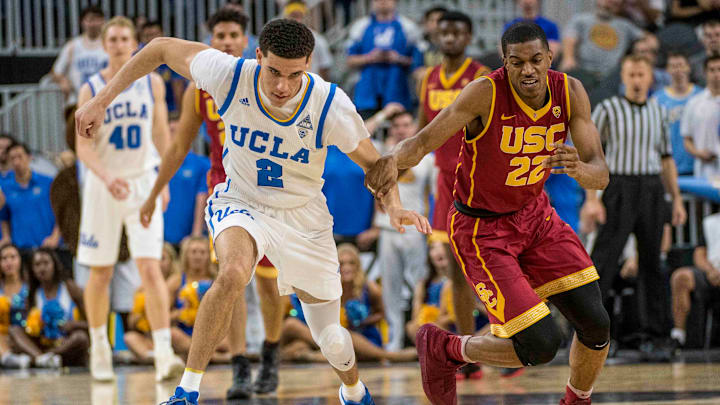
530	12
174	83
27	203
384	47
188	192
674	98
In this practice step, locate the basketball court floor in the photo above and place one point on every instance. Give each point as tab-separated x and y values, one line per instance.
695	381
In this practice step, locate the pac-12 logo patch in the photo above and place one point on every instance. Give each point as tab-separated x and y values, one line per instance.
557	111
304	126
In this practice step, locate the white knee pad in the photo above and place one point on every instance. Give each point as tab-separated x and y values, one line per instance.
336	345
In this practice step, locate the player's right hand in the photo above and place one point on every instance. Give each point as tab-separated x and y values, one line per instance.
146	212
88	118
119	188
382	176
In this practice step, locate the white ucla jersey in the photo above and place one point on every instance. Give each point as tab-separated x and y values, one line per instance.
278	163
124	143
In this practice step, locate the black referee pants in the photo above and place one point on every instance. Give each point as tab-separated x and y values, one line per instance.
635	204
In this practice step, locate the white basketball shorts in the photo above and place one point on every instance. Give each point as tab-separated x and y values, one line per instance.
103	216
298	241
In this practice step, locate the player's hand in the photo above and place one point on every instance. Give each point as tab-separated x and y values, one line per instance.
679	216
565	159
714	277
382	176
146	211
591	214
89	117
165	198
119	188
399	217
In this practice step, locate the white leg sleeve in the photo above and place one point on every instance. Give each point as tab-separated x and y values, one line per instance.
335	342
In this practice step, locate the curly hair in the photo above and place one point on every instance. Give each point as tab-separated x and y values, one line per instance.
287	39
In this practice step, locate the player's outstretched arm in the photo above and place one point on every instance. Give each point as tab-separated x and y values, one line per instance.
174	52
585	162
365	156
473	101
175	152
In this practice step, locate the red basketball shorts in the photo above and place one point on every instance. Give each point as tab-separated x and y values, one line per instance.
443	201
515	261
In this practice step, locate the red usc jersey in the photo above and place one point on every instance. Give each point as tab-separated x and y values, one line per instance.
438	92
500	168
205	106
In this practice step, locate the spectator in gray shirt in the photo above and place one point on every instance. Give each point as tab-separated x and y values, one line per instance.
594	43
710	39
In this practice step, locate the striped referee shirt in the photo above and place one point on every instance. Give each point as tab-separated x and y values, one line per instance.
635	136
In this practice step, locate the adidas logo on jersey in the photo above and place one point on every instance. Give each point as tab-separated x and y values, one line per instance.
244	101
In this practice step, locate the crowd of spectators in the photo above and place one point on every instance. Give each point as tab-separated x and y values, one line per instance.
657	110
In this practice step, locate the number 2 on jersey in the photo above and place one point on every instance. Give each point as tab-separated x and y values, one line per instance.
117	137
269	173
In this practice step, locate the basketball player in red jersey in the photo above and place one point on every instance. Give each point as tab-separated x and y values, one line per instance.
513	248
440	86
228	28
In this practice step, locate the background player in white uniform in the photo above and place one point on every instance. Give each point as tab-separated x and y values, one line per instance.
82	56
279	121
121	165
403	258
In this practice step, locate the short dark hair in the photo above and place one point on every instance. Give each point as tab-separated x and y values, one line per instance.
676	54
523	32
19	145
432	10
399	114
91	10
226	14
457	16
711	23
152	23
712	58
287	39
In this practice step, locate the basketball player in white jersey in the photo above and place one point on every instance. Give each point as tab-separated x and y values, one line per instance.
121	162
279	121
82	56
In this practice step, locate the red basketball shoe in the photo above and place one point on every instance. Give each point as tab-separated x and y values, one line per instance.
437	368
572	399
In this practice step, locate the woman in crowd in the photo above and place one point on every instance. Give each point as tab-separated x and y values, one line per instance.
13	304
432	300
138	338
55	333
188	289
361	312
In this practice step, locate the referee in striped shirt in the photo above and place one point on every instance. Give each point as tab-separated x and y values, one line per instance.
636	140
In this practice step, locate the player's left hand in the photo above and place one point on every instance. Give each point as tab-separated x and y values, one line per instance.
399	217
565	159
678	213
382	176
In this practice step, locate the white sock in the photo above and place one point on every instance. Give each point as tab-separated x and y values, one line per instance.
355	392
98	336
465	340
678	334
191	380
161	341
580	393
